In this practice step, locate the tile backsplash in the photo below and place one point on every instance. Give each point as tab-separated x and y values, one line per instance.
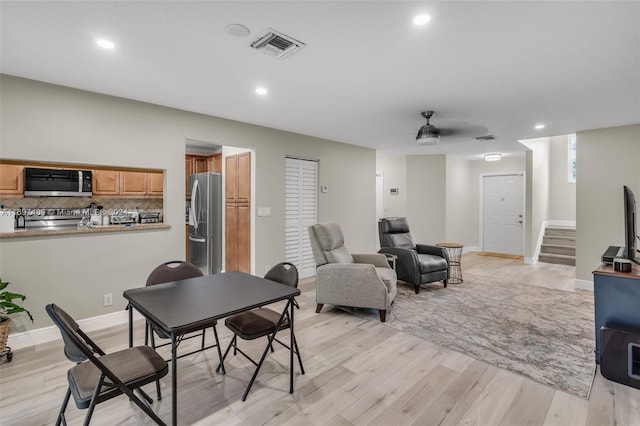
145	205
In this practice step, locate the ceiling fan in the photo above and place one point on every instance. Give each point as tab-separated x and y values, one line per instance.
459	131
428	134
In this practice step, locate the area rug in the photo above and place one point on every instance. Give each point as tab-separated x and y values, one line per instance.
544	334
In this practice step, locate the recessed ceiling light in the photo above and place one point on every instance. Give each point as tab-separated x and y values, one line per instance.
106	44
539	126
421	19
261	91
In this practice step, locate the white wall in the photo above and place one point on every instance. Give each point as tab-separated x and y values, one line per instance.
43	122
562	193
607	160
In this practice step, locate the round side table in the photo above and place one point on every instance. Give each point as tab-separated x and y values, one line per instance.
455	258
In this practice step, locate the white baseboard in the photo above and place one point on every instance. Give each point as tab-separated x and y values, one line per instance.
571	223
583	285
49	334
530	260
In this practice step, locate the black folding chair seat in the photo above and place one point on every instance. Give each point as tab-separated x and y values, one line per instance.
135	366
98	376
261	322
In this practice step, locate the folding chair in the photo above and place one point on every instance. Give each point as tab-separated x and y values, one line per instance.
98	377
261	322
176	270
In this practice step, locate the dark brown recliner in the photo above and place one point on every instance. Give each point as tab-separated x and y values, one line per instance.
417	263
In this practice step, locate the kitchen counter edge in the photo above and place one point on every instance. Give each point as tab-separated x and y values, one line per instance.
94	230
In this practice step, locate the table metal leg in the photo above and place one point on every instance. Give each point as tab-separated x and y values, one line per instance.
291	345
174	377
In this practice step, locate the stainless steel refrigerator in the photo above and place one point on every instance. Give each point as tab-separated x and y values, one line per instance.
205	222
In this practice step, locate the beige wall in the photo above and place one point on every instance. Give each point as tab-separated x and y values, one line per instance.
607	160
426	201
57	124
394	171
462	218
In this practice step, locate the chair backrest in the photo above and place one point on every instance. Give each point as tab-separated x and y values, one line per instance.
394	232
284	273
327	244
174	270
77	345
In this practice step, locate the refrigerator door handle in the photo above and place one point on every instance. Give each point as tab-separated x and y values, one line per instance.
193	214
197	240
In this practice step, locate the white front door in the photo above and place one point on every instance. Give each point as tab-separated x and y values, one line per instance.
503	214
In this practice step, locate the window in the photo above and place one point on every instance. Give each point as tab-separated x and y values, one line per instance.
572	158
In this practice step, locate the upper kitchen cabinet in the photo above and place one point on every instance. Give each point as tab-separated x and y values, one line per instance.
11	180
106	183
133	183
199	164
214	163
155	184
127	184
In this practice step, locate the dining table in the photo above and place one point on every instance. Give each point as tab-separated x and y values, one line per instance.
185	306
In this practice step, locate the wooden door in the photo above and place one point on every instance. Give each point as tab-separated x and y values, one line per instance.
238	212
188	170
11	179
106	182
133	183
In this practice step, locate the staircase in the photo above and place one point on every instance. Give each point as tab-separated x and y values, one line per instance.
558	245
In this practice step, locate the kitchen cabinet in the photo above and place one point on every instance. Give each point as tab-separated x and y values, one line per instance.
238	212
199	164
214	163
127	184
155	184
133	183
106	183
11	180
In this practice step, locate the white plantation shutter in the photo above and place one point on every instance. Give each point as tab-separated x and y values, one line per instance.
300	211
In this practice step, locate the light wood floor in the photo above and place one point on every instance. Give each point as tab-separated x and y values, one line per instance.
359	372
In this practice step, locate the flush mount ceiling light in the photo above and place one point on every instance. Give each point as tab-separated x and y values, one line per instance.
421	19
261	91
539	126
492	157
237	30
105	44
428	134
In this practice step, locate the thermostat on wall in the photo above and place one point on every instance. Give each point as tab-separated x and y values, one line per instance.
394	191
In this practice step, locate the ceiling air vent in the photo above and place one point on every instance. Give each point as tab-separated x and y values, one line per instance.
276	44
485	138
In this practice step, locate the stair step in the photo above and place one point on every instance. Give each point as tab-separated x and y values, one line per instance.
558	249
557	259
560	231
559	240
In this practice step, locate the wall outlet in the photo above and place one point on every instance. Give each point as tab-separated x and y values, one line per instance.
107	299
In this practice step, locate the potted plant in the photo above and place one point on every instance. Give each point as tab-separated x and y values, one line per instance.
8	307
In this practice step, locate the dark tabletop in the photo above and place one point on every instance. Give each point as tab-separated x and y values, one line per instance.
196	303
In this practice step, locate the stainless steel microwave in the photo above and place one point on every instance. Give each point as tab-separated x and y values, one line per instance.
56	182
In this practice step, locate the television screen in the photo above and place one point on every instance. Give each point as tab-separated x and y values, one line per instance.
630	225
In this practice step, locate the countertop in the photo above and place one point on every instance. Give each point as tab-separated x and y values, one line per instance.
23	233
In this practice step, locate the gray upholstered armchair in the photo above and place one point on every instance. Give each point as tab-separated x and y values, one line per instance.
345	279
417	263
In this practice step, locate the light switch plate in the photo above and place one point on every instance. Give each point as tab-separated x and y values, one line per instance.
264	211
